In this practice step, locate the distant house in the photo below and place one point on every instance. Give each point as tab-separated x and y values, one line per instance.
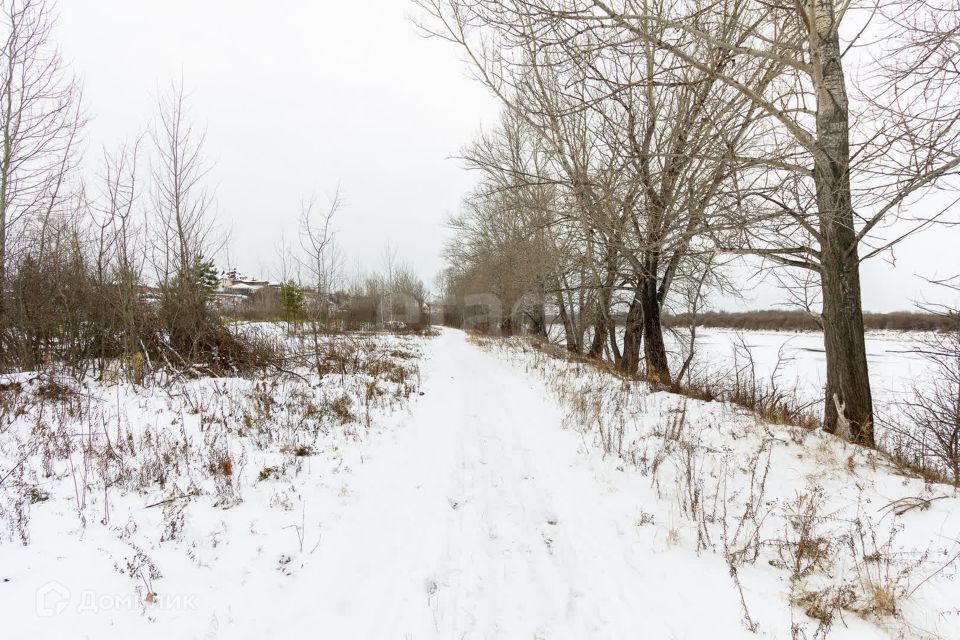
150	295
236	291
241	286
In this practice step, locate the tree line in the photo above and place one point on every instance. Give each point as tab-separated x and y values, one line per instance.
797	320
646	144
112	263
76	250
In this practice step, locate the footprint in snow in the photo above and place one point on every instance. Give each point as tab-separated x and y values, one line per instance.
547	540
431	587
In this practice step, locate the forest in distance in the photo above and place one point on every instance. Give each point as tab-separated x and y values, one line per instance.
786	320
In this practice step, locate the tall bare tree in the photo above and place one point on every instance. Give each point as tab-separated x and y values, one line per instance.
40	118
322	261
644	144
183	229
812	109
181	201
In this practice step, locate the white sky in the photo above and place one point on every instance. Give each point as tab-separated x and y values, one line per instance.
298	96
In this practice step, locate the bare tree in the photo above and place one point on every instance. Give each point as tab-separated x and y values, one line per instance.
323	260
390	254
519	211
181	202
183	233
812	110
120	248
411	292
40	118
644	144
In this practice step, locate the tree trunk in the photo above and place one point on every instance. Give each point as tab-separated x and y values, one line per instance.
614	345
599	336
603	327
632	337
601	323
848	406
568	330
3	272
540	312
538	326
506	326
654	348
4	186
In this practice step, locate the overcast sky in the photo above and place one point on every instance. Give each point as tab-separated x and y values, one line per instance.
299	96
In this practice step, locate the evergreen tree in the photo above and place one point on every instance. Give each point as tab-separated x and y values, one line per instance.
206	276
291	299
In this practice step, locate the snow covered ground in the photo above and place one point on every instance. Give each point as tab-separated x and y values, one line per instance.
519	496
795	360
895	367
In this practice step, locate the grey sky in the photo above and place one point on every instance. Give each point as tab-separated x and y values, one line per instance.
298	96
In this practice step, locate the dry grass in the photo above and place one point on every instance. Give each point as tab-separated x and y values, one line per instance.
189	439
768	402
719	486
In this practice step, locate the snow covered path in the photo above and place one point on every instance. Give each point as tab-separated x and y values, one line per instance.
482	518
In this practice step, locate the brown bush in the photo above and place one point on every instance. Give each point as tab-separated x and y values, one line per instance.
61	314
58	311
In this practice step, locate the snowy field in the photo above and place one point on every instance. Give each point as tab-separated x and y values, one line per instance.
895	367
795	361
472	489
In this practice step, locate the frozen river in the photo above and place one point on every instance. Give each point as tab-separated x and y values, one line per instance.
895	368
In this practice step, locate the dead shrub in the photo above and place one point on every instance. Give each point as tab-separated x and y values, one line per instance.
53	390
928	436
806	546
340	407
300	450
823	606
881	575
268	473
